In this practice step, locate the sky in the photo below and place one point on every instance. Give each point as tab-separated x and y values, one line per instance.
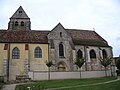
102	16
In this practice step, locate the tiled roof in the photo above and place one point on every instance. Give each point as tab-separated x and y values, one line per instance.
19	36
86	37
79	37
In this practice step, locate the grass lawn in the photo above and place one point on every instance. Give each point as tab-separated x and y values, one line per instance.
66	83
109	86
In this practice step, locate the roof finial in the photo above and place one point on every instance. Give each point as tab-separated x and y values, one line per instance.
93	29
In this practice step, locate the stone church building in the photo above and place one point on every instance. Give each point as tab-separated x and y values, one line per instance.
23	50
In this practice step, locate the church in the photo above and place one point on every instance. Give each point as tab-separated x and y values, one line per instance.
23	50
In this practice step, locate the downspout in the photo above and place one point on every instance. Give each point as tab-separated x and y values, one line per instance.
85	58
48	54
8	65
48	67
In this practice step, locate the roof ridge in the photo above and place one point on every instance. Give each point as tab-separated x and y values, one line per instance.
42	30
80	29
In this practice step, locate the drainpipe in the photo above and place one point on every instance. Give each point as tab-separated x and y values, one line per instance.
85	57
8	65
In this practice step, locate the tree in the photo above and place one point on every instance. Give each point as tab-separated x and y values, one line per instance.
79	62
118	66
105	62
49	64
118	63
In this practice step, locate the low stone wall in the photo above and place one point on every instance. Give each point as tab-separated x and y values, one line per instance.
67	75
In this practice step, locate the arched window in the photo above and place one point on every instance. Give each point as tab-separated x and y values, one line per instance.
79	54
22	23
104	53
16	23
92	54
61	50
15	53
38	52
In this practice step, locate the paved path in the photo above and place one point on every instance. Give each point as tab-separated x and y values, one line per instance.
9	87
12	86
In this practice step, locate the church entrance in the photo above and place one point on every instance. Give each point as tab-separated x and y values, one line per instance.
61	66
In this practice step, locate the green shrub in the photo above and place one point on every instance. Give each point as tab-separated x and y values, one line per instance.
1	82
118	72
118	63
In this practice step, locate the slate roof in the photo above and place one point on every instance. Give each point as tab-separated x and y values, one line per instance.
80	37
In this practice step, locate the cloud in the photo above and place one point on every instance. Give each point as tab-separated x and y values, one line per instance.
103	15
118	39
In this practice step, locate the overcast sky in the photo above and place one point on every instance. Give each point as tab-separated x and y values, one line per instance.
103	16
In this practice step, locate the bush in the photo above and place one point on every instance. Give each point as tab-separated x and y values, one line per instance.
1	86
118	72
118	63
1	82
1	79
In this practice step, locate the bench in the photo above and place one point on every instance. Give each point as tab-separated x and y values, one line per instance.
23	78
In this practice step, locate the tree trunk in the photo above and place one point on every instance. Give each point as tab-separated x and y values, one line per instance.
105	72
49	73
80	73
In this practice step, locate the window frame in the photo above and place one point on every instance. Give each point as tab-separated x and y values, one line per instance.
16	23
79	54
61	50
92	54
22	23
15	53
38	52
104	53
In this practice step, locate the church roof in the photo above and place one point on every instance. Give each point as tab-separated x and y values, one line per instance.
80	37
20	36
20	14
86	37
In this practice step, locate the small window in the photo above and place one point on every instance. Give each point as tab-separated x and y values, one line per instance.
20	12
92	54
60	34
22	23
15	53
38	52
16	23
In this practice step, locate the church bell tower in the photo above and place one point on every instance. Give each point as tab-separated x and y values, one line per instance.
19	20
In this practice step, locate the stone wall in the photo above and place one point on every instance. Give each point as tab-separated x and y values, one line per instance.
56	37
67	75
93	64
